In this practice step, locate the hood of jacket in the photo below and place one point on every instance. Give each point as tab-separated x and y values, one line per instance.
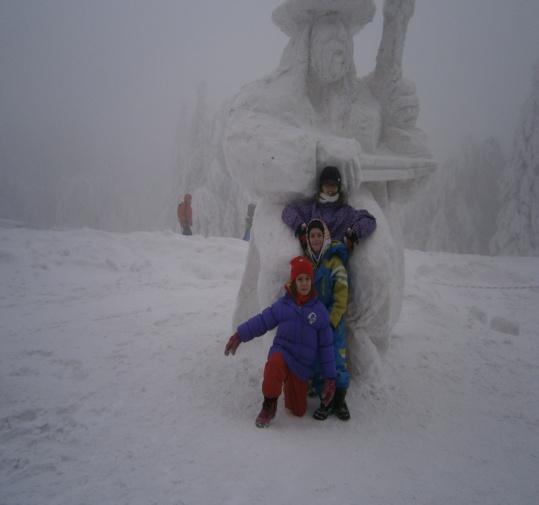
326	244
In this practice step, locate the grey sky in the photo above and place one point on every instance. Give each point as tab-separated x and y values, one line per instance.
101	83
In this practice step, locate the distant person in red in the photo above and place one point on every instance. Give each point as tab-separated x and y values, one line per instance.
185	215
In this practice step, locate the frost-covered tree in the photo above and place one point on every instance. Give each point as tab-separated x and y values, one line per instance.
471	200
518	220
199	150
220	204
179	177
456	210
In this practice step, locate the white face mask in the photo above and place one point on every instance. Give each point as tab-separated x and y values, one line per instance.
325	198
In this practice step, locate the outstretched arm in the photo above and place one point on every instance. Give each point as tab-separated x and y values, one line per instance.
259	324
253	327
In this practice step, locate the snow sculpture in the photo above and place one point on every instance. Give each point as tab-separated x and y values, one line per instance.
313	111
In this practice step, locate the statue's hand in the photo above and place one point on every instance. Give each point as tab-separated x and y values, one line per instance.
344	153
403	105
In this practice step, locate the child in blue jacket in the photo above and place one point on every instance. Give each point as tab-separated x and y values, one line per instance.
304	338
331	283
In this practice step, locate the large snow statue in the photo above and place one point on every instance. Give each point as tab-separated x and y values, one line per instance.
313	111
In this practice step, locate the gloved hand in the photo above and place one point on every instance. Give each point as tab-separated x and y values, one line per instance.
328	392
300	230
301	235
351	235
232	344
350	238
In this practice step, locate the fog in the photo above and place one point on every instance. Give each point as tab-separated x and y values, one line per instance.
98	90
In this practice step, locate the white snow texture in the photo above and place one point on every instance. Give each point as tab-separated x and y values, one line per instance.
114	388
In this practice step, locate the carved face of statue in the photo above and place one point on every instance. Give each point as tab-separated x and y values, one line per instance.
331	49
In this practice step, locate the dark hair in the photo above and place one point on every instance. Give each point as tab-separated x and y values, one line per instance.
315	223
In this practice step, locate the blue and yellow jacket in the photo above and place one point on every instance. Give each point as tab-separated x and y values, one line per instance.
331	282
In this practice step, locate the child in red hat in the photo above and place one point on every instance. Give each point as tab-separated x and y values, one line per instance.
304	338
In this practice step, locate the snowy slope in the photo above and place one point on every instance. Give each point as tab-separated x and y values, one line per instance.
114	388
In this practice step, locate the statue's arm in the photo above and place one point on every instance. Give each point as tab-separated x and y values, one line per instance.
268	154
279	160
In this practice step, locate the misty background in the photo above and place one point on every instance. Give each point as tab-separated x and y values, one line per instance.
111	110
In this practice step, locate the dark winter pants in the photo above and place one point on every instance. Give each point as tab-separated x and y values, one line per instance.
343	377
277	374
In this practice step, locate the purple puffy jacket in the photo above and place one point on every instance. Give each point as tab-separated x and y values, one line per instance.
337	217
303	336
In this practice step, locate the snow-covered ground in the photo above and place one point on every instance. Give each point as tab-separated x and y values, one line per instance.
114	388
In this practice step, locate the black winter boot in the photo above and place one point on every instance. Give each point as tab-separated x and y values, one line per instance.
339	407
323	412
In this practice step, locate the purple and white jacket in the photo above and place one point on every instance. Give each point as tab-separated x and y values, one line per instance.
303	336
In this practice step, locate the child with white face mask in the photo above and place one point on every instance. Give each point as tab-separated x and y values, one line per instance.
345	223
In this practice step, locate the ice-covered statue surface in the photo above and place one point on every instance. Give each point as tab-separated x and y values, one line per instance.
314	111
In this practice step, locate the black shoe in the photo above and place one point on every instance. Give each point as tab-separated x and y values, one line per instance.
342	411
322	412
339	407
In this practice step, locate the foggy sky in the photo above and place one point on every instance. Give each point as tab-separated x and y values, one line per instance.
100	84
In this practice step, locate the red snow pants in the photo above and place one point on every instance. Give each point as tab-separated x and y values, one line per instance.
277	374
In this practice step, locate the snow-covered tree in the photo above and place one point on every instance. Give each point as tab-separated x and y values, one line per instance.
456	210
220	204
199	150
518	220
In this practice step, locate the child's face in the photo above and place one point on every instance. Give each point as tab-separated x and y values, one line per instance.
303	284
316	240
330	188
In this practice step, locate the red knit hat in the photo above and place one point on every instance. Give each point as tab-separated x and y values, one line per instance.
300	265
